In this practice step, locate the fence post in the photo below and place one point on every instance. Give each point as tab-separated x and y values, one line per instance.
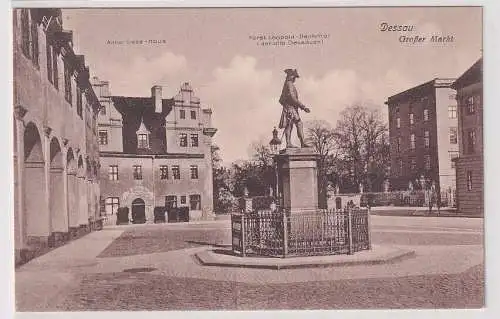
243	237
349	229
285	234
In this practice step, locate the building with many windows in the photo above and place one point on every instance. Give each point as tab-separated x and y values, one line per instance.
423	135
470	163
56	155
155	152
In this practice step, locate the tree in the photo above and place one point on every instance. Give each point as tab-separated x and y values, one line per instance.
361	136
222	184
321	137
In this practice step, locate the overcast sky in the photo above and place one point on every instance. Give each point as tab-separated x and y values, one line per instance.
241	81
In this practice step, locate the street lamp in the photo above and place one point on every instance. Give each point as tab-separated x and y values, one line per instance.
275	142
274	145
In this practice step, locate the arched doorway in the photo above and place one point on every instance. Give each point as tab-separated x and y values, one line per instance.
34	195
138	211
73	208
57	209
82	193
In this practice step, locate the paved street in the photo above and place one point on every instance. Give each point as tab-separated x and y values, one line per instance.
101	271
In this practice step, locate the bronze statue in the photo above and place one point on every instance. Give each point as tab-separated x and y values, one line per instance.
290	115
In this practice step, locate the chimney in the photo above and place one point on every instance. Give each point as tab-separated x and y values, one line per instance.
156	95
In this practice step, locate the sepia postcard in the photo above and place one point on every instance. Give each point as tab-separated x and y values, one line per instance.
301	158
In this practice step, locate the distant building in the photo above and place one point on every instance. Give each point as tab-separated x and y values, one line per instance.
423	135
470	165
56	155
155	152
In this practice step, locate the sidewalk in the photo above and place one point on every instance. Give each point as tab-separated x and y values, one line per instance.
418	211
42	282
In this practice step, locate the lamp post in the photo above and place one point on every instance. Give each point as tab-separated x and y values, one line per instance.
274	145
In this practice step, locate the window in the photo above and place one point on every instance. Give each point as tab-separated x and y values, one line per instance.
194	140
25	32
471	141
163	172
194	171
183	140
182	114
142	141
111	205
103	137
452	111
469	102
427	139
103	110
195	202
453	135
183	199
34	43
426	114
412	141
469	180
171	201
193	115
398	144
176	172
113	172
453	155
137	171
79	101
413	164
398	122
412	120
67	83
427	160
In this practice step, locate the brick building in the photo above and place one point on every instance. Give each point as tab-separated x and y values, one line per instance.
470	165
155	152
423	135
56	154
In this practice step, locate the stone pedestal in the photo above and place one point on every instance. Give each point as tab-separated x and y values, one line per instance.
298	179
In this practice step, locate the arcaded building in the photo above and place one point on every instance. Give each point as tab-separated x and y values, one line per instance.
56	154
423	131
155	152
470	163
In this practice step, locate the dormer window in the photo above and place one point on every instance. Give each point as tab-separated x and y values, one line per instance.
142	136
142	141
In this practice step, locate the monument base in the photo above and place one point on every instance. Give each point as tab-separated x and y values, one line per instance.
298	179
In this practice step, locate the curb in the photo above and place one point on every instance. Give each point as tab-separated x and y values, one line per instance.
206	258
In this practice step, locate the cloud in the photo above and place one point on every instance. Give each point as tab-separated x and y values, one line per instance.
245	103
140	74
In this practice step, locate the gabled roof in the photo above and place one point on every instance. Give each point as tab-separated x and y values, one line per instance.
137	111
473	75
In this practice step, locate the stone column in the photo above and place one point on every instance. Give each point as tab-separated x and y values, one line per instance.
57	200
46	154
19	218
73	204
82	202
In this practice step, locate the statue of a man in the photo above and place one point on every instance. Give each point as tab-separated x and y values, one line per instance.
290	115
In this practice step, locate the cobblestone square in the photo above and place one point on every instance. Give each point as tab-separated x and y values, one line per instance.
447	272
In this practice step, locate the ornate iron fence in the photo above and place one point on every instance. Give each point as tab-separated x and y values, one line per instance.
281	234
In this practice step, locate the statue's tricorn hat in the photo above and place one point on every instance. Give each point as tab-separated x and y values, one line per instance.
292	72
